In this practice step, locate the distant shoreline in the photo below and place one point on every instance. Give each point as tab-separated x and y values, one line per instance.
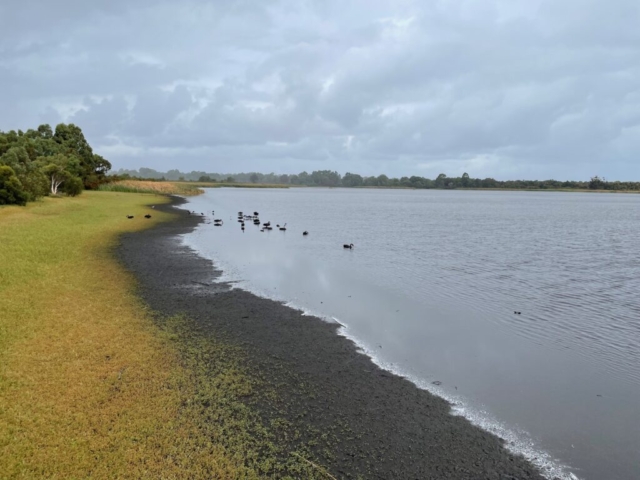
563	190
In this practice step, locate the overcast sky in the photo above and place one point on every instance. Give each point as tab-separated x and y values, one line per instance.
503	88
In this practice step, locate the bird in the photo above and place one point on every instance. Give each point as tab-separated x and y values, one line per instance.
256	213
147	216
129	216
350	246
284	227
305	233
518	313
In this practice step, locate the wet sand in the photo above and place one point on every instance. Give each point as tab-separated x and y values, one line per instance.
355	418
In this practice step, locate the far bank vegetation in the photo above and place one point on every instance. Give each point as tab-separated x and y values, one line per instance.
329	178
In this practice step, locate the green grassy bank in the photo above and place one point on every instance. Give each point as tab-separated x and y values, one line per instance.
91	383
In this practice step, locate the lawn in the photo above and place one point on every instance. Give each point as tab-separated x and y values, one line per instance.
90	384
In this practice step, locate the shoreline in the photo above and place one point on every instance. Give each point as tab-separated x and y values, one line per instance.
357	418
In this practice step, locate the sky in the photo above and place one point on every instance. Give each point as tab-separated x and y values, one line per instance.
508	89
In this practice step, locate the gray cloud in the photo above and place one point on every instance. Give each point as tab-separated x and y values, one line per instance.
501	88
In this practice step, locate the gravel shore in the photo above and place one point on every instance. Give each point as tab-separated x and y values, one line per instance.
368	423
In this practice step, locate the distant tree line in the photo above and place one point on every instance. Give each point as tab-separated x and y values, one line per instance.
329	178
44	162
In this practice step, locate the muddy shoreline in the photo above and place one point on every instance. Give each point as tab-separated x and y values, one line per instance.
357	419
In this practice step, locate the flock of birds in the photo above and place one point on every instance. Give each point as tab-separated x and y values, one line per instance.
131	216
255	219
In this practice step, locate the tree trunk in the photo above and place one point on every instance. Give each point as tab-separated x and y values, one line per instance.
55	184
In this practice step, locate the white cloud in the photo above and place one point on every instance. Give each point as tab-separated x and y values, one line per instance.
502	88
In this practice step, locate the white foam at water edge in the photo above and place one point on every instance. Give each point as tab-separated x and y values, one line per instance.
517	442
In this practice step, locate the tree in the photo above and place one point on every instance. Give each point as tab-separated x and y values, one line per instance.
173	174
325	178
370	181
11	191
383	180
34	182
204	178
489	183
230	180
31	178
465	180
352	180
58	169
304	178
254	178
45	131
597	183
441	181
149	173
417	182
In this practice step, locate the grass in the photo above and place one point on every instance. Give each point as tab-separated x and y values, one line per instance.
91	385
142	186
177	188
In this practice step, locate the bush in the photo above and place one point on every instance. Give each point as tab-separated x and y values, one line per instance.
11	190
35	184
73	186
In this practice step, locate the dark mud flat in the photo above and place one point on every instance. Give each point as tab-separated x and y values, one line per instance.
357	420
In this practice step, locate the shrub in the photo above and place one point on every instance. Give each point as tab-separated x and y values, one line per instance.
35	184
73	186
11	190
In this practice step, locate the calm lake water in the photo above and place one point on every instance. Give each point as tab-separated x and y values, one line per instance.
430	290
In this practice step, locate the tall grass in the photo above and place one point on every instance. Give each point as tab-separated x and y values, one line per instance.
90	386
142	186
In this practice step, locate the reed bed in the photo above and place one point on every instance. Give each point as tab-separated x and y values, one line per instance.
145	186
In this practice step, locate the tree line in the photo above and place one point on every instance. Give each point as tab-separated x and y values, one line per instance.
329	178
44	162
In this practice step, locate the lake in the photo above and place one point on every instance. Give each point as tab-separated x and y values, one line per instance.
431	288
